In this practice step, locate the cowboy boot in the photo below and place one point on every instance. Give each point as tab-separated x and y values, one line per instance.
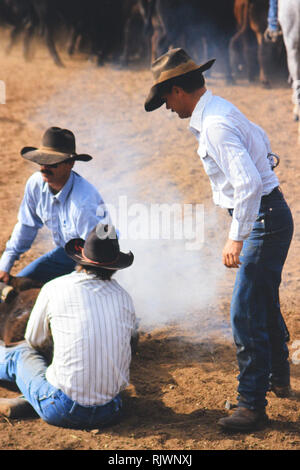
244	419
16	408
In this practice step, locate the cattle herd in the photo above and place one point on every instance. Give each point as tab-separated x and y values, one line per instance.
122	30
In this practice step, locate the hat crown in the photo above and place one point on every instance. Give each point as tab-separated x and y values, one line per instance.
102	245
61	140
170	60
172	64
100	250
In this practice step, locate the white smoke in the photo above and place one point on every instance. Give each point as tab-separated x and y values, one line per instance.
167	282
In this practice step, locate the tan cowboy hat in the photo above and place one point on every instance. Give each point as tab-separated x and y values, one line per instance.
58	145
100	250
175	63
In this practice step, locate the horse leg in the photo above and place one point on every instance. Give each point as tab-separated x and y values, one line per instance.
262	60
29	33
49	37
73	41
15	33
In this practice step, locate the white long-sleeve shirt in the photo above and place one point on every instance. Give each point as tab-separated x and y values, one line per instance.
91	323
234	152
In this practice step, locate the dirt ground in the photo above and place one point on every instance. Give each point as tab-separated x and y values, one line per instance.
185	368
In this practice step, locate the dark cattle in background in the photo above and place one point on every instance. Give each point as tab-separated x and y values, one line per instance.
105	29
248	46
16	15
119	31
203	28
136	39
32	18
113	31
116	30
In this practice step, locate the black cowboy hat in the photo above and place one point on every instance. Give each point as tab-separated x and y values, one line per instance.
100	250
175	63
58	145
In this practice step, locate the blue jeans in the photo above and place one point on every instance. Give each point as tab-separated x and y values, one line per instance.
49	266
273	15
27	368
259	331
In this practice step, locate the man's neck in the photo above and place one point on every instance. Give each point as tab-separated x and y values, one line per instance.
57	187
195	97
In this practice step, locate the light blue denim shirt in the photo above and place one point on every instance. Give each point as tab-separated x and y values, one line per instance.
71	213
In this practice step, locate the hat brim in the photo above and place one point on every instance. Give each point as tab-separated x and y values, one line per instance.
154	100
123	261
36	155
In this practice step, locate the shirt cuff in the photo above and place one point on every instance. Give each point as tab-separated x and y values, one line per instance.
240	231
6	262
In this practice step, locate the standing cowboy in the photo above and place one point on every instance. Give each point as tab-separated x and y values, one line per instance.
91	320
237	158
57	197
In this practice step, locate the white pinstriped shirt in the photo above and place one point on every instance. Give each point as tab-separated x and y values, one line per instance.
234	152
91	323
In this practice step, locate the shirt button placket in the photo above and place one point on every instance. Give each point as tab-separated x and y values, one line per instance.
55	220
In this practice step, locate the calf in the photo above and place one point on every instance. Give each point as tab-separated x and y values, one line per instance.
17	301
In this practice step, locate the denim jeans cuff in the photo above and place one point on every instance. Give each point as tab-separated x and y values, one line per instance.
255	405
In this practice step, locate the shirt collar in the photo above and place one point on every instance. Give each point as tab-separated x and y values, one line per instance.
196	117
64	192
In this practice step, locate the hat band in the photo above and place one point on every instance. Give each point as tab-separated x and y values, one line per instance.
96	262
186	67
52	150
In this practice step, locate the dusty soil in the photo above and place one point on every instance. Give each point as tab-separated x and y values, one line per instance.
185	368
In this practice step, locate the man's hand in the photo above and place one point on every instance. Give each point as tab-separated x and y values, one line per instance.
231	253
4	276
272	35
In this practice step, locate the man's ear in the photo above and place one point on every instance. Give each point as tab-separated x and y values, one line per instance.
177	90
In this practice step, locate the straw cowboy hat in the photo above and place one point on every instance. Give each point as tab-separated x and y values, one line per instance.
100	250
58	145
173	64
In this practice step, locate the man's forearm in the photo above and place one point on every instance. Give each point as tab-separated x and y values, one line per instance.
20	241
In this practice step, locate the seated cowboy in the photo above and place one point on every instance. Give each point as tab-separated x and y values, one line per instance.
55	196
91	319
